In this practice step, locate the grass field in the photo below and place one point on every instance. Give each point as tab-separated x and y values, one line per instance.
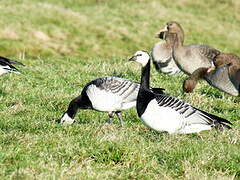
65	44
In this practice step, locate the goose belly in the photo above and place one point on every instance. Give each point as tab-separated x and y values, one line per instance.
162	118
103	100
128	105
171	68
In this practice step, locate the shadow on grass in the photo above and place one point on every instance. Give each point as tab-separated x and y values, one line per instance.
155	136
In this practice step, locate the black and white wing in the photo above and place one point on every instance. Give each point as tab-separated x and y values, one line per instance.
124	88
112	93
7	67
194	120
7	61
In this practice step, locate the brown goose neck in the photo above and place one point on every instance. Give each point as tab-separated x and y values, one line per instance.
199	73
176	40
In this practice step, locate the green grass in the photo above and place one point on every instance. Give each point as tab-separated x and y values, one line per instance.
67	43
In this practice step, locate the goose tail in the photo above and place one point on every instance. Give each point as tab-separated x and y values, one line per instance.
11	61
217	122
16	62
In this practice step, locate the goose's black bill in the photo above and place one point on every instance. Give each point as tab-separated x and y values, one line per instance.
133	58
160	35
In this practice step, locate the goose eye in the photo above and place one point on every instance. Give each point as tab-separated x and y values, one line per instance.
139	55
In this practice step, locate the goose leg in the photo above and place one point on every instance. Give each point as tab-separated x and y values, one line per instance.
110	115
119	114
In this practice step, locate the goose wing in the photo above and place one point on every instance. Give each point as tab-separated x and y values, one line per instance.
194	120
125	88
121	87
207	52
6	61
7	66
122	91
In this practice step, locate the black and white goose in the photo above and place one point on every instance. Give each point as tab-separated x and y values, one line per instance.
107	94
7	67
166	113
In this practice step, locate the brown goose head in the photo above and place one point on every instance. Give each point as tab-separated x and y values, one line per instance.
173	29
189	85
191	82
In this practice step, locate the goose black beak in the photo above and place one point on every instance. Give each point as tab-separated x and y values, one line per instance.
160	35
132	58
58	121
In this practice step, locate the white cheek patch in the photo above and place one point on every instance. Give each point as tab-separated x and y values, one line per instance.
66	119
143	60
142	57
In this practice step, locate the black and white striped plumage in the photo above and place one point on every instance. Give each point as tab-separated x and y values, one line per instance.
165	113
7	67
107	94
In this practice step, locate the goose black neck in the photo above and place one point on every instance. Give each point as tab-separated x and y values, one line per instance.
80	102
73	107
145	76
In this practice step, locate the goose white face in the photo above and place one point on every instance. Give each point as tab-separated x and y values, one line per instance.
141	57
66	119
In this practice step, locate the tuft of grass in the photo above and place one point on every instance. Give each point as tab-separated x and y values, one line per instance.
64	45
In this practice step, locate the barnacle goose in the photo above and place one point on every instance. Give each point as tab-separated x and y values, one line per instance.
107	94
7	67
166	113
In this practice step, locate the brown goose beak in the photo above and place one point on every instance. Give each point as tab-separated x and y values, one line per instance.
165	29
133	58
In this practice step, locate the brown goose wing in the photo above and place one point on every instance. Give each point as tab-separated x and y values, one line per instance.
208	52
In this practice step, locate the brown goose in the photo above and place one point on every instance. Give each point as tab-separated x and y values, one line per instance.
192	57
189	58
162	55
231	61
